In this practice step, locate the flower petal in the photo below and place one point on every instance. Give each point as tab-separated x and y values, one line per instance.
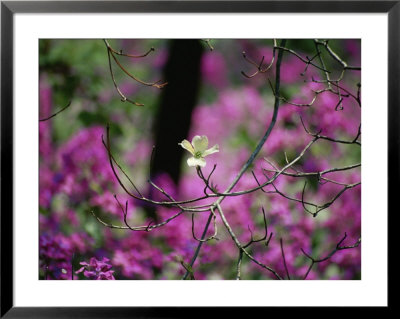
196	161
80	270
200	143
187	146
211	150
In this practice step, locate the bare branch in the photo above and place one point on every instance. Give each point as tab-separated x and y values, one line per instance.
334	251
53	115
284	259
111	53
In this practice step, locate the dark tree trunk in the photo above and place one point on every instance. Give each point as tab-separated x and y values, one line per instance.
182	72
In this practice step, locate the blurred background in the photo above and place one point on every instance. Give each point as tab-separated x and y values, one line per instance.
206	94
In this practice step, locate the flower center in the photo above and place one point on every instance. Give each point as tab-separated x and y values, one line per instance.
197	154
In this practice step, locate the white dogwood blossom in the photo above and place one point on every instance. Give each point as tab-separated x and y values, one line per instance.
198	148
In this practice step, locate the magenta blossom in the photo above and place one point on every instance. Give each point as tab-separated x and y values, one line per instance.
97	269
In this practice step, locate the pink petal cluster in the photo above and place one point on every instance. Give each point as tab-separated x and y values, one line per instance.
97	269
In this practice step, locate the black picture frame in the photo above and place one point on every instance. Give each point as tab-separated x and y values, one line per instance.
9	8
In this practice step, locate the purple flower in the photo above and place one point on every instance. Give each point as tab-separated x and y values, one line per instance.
97	269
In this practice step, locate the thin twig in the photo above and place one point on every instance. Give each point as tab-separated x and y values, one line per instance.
334	251
284	259
53	115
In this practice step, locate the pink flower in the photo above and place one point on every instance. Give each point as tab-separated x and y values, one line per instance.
97	269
